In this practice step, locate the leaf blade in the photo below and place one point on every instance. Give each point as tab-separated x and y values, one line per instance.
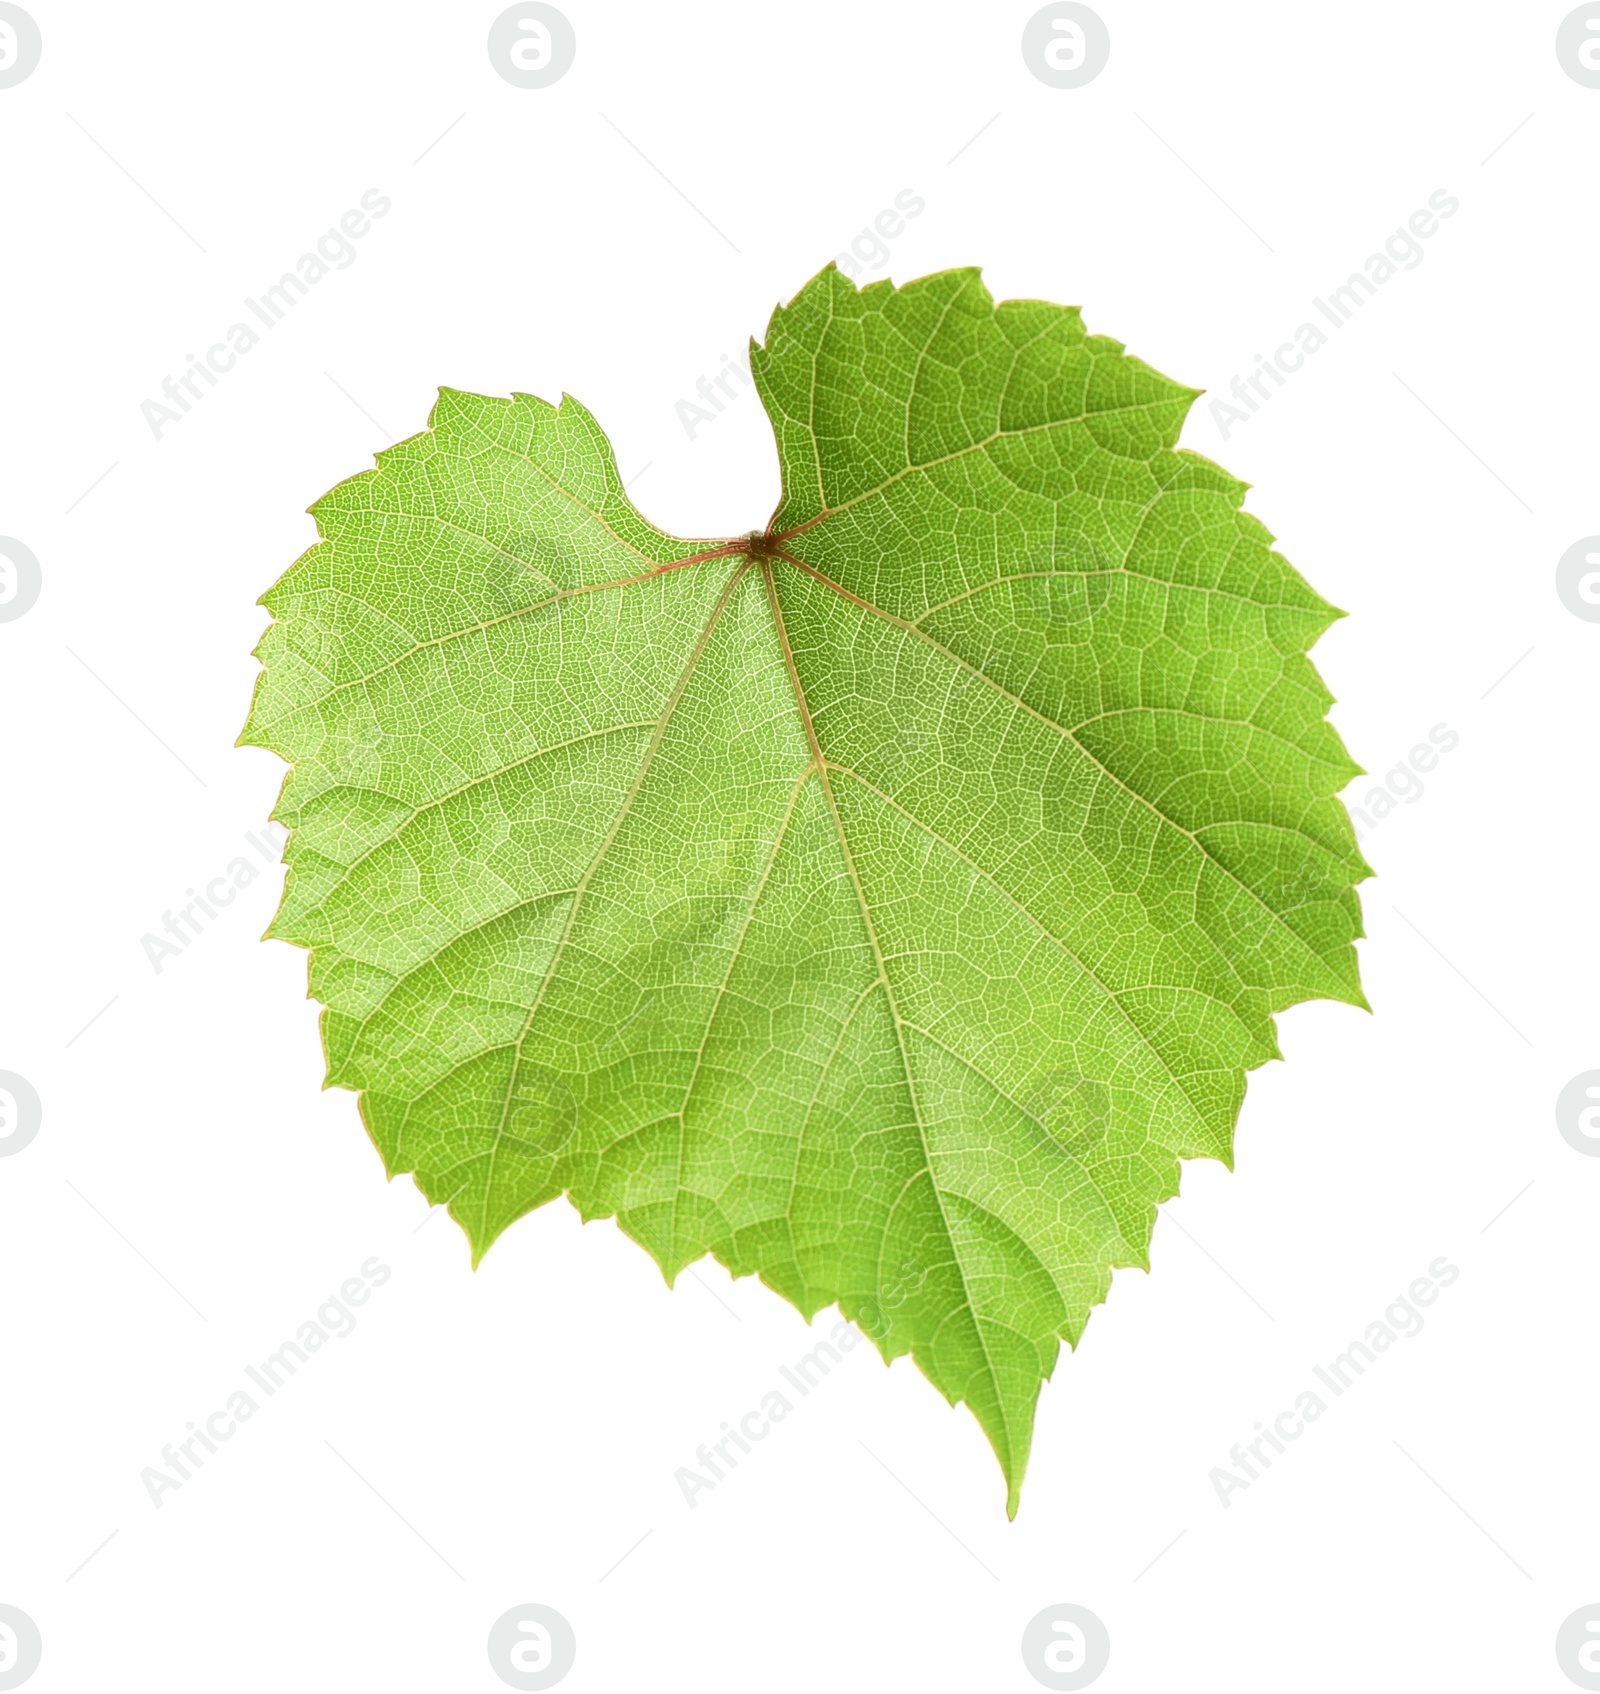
885	905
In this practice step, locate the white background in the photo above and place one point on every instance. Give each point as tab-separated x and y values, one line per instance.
1435	1528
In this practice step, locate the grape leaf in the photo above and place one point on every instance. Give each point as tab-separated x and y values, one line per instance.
882	902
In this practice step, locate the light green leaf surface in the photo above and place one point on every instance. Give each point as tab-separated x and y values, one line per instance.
884	903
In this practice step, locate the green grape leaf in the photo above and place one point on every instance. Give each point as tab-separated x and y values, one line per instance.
882	902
